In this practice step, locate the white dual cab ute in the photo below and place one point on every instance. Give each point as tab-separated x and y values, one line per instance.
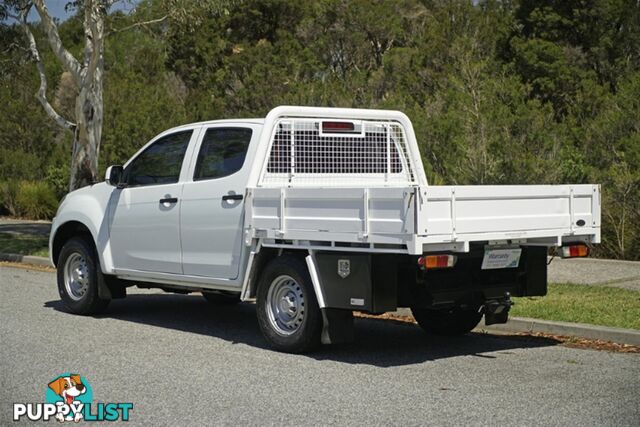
314	213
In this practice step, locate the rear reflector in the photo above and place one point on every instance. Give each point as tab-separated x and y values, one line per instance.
574	251
437	261
338	127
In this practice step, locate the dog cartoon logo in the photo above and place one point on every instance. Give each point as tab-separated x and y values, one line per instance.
69	397
70	388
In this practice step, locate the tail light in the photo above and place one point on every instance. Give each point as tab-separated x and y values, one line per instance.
338	127
429	262
574	251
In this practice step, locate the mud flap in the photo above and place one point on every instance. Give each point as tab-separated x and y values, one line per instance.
116	288
110	287
337	326
104	292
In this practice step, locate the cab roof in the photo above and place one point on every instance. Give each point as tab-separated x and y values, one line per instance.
255	121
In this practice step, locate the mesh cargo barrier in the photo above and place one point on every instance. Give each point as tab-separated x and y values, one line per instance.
337	153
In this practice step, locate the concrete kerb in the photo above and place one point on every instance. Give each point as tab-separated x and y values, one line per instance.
578	330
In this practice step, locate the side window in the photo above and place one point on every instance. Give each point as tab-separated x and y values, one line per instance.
160	163
222	152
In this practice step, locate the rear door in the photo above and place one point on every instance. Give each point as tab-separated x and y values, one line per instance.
144	216
212	208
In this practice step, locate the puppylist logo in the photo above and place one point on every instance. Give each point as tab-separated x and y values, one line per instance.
69	397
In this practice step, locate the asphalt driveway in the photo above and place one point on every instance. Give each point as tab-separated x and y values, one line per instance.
182	361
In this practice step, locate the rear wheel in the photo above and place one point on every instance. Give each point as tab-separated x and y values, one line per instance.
79	276
450	322
287	309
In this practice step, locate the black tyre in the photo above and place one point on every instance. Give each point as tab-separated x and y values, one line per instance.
221	297
79	276
451	322
287	307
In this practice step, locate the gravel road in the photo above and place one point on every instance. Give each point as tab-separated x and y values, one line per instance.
182	361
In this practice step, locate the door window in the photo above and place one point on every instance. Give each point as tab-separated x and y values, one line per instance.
222	152
160	163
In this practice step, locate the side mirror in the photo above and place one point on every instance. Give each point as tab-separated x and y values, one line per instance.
113	176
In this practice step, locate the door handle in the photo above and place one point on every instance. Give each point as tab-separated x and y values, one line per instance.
169	200
232	197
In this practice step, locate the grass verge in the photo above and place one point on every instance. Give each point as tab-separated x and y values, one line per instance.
24	244
597	305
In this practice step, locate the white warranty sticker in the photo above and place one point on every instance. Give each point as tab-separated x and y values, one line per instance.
501	258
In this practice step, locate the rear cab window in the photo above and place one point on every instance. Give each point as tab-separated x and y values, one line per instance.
222	152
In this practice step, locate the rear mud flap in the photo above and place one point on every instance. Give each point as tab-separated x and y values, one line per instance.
337	326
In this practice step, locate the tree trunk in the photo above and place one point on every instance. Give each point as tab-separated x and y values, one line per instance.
86	137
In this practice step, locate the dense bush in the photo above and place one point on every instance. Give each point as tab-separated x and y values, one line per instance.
36	200
499	92
57	177
8	193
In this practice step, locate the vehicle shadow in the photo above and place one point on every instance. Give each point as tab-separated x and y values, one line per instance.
378	342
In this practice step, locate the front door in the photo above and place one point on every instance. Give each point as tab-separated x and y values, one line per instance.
145	215
212	209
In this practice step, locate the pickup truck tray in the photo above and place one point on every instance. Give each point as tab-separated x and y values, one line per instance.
420	219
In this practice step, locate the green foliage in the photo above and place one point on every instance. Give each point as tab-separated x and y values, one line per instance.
18	164
8	194
597	305
499	92
36	199
24	244
57	176
612	151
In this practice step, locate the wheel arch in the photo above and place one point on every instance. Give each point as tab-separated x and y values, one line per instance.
85	211
261	260
108	286
65	232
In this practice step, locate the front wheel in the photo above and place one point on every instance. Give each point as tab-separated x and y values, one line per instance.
79	276
287	308
451	322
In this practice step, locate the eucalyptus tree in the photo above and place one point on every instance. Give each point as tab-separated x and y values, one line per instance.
86	71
